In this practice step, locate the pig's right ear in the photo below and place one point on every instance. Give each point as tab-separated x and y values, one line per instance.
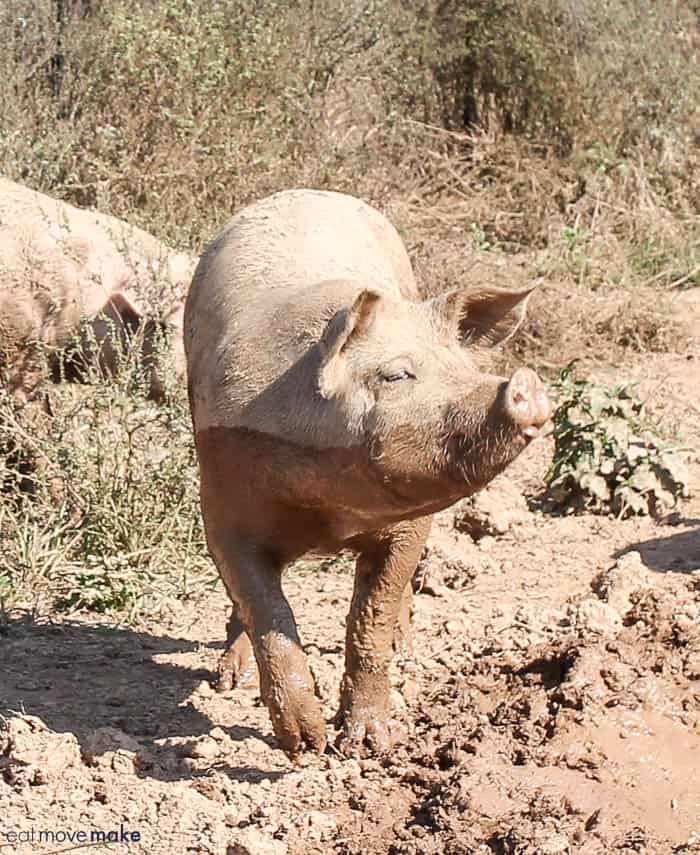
344	328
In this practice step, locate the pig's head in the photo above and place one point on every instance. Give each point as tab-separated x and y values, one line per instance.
408	381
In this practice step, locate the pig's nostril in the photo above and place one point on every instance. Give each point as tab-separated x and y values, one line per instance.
520	405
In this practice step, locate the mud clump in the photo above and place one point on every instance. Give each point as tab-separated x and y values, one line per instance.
493	511
593	616
615	586
31	754
252	842
109	747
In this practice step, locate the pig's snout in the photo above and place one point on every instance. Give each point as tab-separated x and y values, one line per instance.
526	402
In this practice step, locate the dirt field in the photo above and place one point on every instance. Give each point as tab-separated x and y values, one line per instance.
552	706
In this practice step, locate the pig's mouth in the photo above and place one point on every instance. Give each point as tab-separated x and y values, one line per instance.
476	457
484	441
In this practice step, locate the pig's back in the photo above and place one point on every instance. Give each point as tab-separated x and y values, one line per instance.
64	221
267	285
112	253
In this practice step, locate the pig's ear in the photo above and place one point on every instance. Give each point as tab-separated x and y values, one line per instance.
111	327
482	315
118	317
344	328
122	311
348	325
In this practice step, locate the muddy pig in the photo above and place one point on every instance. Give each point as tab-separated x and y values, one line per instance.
333	409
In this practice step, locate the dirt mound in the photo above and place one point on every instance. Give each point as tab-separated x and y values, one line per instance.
31	754
569	730
492	512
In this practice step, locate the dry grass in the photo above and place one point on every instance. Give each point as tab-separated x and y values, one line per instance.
610	256
174	114
107	517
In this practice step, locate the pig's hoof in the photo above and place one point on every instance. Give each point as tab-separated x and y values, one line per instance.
237	668
365	732
298	723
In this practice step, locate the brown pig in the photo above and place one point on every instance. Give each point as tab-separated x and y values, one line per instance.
64	269
333	409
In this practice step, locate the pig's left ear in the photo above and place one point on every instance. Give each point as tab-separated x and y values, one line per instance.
485	316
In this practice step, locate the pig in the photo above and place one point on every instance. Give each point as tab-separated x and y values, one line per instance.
68	274
333	409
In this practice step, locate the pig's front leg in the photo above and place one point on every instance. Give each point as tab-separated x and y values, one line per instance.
286	685
403	633
384	569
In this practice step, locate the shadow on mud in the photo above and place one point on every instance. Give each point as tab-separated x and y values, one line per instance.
78	678
677	553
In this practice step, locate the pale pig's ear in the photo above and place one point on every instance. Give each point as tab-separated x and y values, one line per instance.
344	328
484	316
117	322
123	312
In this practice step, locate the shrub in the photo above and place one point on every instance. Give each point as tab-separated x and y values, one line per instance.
605	458
112	522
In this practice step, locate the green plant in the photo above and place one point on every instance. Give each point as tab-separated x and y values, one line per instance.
604	158
649	259
479	239
605	458
572	237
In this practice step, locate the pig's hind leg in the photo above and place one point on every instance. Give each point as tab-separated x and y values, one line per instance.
237	666
384	569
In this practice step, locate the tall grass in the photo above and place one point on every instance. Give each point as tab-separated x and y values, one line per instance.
111	521
173	114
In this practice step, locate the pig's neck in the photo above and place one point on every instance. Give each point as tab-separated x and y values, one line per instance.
297	500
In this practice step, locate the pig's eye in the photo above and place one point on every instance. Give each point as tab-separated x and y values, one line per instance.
395	375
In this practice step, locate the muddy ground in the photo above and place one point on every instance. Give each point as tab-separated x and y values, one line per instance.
552	705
